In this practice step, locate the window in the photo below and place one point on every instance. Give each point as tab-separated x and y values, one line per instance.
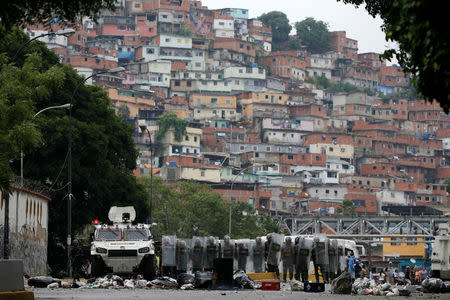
327	191
241	71
189	83
317	158
177	83
241	147
374	167
195	138
202	173
290	157
186	138
150	51
213	100
228	101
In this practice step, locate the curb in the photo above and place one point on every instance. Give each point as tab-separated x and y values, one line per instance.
19	295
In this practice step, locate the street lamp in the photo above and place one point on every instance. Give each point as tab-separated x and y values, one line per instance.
63	32
231	192
6	229
143	129
69	167
67	105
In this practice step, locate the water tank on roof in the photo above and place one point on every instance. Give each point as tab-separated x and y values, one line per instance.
254	65
425	136
172	164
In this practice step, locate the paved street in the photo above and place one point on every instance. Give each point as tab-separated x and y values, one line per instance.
44	294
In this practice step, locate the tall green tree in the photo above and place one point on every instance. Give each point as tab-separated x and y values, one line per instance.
423	43
123	112
189	208
347	208
103	151
17	12
19	89
281	28
314	34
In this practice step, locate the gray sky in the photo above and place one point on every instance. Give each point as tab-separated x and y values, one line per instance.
357	23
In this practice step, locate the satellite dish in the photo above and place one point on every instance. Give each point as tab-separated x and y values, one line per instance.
412	260
425	246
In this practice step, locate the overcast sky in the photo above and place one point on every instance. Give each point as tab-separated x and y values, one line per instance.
357	23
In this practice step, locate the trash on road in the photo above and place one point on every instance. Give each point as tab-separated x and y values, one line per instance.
342	284
296	286
42	281
241	280
163	282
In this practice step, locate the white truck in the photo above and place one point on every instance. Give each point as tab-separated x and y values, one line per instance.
123	247
440	256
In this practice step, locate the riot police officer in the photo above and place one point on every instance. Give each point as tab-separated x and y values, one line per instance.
197	256
182	257
258	256
211	253
287	256
242	255
270	254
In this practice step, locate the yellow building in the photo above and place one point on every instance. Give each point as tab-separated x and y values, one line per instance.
405	249
212	100
263	97
181	110
134	100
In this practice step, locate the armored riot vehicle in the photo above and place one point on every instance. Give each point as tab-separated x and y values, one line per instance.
123	247
440	256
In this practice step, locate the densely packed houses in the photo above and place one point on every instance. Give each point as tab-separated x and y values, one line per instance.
261	131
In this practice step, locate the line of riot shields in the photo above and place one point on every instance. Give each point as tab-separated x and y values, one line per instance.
295	256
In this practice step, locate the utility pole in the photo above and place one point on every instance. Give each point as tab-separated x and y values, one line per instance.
145	129
5	196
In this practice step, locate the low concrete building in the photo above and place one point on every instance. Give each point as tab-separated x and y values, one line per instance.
28	228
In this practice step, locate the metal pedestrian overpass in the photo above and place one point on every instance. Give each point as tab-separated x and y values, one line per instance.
364	227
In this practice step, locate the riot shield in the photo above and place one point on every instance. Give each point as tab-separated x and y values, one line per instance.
303	255
227	248
183	250
168	251
321	245
197	253
242	254
273	256
257	255
333	257
341	256
212	252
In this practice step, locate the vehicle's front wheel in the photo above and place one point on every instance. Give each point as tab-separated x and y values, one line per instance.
148	267
97	267
435	274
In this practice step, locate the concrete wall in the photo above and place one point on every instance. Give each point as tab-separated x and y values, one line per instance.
28	225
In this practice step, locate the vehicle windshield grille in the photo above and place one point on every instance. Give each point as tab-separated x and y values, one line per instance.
109	235
135	234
